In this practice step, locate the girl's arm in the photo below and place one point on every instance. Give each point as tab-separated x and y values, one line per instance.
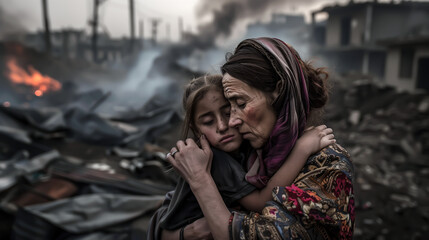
312	141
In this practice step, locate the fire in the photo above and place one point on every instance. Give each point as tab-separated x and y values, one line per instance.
40	83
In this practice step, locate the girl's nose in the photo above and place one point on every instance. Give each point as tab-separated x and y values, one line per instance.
222	125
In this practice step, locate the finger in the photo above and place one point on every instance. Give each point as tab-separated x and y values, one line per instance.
309	128
328	130
173	149
171	160
180	145
328	137
321	127
190	142
204	144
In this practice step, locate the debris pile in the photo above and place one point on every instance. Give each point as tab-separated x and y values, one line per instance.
387	135
73	172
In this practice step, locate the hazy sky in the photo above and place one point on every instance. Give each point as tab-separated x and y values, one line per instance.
113	14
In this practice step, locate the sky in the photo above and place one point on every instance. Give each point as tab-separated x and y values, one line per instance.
113	15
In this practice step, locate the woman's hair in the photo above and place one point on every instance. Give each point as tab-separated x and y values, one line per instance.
194	92
252	67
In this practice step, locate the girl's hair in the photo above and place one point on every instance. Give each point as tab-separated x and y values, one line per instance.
194	92
252	67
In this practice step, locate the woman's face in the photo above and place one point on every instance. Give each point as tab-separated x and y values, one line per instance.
251	111
211	119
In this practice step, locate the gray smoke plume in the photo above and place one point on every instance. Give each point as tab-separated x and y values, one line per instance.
9	24
227	13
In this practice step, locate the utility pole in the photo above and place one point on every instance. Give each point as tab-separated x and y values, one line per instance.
132	25
94	31
46	24
141	29
155	23
167	30
180	28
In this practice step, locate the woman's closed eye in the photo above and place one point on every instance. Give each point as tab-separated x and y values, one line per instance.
240	103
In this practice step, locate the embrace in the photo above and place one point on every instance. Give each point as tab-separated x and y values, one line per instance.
253	163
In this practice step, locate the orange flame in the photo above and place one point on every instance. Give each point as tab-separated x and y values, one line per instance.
40	83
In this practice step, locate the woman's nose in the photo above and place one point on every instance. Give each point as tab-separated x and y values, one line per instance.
234	122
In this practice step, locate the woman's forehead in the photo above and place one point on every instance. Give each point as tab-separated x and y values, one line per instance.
230	83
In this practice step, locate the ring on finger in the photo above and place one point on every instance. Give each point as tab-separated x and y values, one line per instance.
172	154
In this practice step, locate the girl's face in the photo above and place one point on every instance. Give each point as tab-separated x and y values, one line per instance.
211	119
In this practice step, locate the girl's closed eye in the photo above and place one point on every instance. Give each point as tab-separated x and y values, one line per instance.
207	122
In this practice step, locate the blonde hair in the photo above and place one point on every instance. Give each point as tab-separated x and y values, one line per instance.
194	92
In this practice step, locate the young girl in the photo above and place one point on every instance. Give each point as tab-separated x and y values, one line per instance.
207	113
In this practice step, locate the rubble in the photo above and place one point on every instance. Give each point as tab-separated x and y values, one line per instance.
386	133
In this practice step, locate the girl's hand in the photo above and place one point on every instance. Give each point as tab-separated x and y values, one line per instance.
191	161
315	138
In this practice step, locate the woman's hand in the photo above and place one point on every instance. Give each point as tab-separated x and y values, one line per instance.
315	138
190	161
194	164
197	230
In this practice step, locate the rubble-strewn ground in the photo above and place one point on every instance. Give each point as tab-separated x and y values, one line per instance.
387	135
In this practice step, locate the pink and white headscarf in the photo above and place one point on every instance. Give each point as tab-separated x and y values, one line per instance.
292	105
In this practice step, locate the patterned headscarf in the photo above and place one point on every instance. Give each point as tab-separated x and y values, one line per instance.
292	106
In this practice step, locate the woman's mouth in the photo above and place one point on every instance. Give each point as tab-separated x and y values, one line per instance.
226	139
246	134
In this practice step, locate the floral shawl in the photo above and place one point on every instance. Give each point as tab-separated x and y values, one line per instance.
319	204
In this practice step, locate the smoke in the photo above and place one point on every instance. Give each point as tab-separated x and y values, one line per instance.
200	53
227	15
9	24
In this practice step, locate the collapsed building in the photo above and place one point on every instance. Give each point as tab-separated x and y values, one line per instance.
356	38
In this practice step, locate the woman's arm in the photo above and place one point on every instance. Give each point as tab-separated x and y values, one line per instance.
194	164
312	141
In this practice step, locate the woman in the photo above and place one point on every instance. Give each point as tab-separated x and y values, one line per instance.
273	93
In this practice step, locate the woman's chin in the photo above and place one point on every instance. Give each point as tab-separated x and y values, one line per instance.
256	144
230	147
